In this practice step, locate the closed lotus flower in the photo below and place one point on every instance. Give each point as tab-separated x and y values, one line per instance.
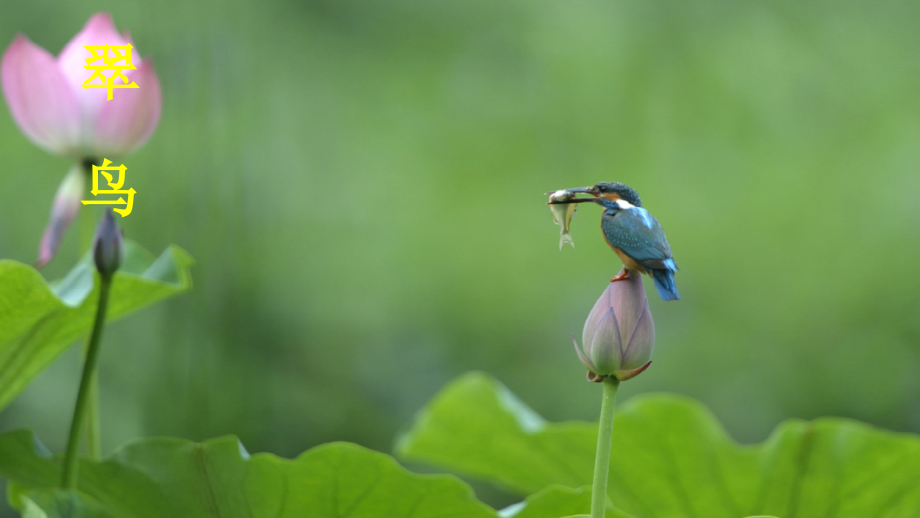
108	245
47	100
619	335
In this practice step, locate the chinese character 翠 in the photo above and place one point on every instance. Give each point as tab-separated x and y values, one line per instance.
110	55
115	187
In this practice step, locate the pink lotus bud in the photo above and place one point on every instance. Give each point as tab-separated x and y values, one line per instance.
619	335
50	105
64	209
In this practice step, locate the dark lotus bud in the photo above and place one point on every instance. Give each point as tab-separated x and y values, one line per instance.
108	245
619	335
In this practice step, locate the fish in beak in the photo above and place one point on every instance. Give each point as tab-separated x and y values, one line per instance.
562	214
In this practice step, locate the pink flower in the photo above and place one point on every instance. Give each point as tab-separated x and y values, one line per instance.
50	105
619	334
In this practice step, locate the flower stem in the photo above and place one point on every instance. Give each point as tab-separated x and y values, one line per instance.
69	480
604	438
92	441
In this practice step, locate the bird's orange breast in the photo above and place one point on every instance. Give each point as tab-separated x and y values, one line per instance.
628	262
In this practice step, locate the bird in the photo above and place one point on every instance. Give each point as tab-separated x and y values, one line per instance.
633	234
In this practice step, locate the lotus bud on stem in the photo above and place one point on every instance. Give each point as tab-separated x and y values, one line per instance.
618	340
108	250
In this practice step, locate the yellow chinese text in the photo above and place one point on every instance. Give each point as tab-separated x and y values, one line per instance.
107	58
115	187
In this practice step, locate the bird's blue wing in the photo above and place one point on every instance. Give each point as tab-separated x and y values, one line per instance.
638	234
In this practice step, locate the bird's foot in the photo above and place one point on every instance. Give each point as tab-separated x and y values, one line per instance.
622	276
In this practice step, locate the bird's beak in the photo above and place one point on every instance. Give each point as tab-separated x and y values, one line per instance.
585	190
579	190
573	200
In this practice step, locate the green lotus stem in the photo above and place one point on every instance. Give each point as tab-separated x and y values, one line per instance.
604	439
92	443
69	480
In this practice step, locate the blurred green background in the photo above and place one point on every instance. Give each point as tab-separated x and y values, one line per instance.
361	184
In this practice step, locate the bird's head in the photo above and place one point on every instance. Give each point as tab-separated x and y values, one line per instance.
608	192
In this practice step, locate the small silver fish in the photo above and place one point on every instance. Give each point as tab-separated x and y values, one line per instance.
562	215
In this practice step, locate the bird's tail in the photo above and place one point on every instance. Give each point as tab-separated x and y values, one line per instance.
664	282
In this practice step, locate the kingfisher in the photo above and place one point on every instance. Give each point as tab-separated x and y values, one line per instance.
634	234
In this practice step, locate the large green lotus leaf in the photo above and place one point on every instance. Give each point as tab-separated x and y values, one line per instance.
38	320
56	503
158	478
556	502
672	459
174	478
